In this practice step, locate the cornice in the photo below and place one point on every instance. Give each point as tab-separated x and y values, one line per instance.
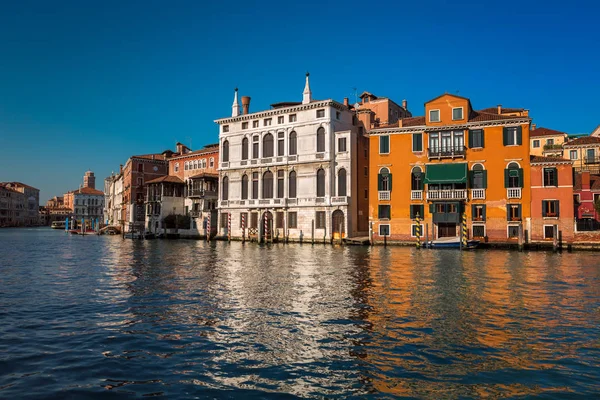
285	110
468	125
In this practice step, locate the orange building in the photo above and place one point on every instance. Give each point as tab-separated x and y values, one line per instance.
551	199
452	161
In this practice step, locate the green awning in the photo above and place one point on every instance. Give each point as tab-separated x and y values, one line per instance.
446	173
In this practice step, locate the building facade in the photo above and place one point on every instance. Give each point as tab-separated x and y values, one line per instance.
451	162
585	153
28	205
13	207
113	199
87	203
547	142
288	172
164	197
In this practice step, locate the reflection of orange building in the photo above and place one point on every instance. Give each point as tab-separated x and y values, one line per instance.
551	198
451	161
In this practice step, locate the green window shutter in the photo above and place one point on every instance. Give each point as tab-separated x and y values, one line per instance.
520	177
555	174
506	172
390	181
379	182
508	212
470	138
483	212
544	208
519	134
505	136
520	215
482	138
412	212
473	208
421	211
556	207
470	178
485	179
431	208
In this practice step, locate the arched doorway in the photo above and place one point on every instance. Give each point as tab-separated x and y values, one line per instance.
266	226
337	224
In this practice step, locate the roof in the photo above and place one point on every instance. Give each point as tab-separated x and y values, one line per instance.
18	184
582	141
166	179
282	104
150	156
206	150
594	182
479	116
3	186
449	94
87	190
545	132
205	175
544	159
413	121
494	110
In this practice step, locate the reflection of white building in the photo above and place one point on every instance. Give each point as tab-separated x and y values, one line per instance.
113	199
291	165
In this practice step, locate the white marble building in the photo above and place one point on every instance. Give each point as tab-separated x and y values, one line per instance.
291	165
113	199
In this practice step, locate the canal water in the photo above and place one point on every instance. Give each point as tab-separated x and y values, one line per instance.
100	317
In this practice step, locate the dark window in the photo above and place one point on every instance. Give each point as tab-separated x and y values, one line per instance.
550	208
342	182
268	145
320	113
244	148
513	212
341	144
513	176
416	178
384	211
225	151
280	146
413	230
225	191
478	230
140	167
417	142
478	177
478	212
476	138
384	230
384	144
549	232
244	220
267	192
321	183
224	220
255	185
279	218
225	128
550	177
384	180
292	144
513	231
292	220
320	140
254	220
416	210
536	143
280	179
512	136
244	186
244	125
255	147
293	118
320	220
292	185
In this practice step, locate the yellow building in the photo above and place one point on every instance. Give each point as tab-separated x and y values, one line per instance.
452	161
546	142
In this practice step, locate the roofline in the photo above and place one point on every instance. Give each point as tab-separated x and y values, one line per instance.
201	152
449	94
425	128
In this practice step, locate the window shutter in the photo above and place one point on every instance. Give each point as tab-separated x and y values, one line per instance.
485	179
505	136
483	212
556	207
482	138
519	211
520	177
473	209
555	175
544	208
421	211
412	212
431	208
379	182
470	175
390	181
508	212
519	134
470	138
506	171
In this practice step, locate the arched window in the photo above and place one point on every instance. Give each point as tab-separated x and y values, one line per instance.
513	176
225	189
195	164
212	162
416	179
185	165
244	186
268	145
342	182
292	185
321	140
293	149
384	180
321	183
244	148
225	151
267	185
478	177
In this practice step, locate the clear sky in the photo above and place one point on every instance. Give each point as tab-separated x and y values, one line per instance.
84	85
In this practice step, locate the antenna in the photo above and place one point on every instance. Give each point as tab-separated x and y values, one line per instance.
355	95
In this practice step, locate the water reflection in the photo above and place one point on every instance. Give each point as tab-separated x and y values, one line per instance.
186	318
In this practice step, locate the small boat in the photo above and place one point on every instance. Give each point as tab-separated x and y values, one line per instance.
452	243
58	225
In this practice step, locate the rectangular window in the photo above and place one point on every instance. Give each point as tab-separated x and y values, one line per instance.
366	194
255	147
384	211
513	212
341	144
384	144
280	119
512	136
292	220
267	122
384	230
550	208
457	113
255	124
224	218
479	231
573	154
417	142
244	220
549	231
434	115
478	212
320	113
413	230
550	141
255	185
254	220
244	125
417	210
513	231
550	177
320	220
279	220
280	175
337	115
293	118
366	171
476	139
225	128
536	143
280	147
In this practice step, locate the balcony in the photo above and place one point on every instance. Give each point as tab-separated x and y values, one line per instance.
453	194
195	213
224	202
267	160
513	193
201	193
339	200
447	152
416	195
553	147
384	195
477	194
292	158
592	160
225	164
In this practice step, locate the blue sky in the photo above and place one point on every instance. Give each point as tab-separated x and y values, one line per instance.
86	85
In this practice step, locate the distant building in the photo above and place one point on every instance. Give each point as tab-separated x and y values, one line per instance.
12	207
27	207
585	153
546	142
86	203
165	196
89	180
54	210
113	199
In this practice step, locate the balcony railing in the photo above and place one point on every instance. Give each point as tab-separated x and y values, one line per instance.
447	152
592	160
202	193
292	158
453	194
195	213
384	195
478	194
513	193
267	160
225	164
224	202
416	195
553	147
339	200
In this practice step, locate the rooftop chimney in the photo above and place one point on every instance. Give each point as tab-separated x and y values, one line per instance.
120	168
346	101
245	104
179	148
235	107
405	104
533	126
499	109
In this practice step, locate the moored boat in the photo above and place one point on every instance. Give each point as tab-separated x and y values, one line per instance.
58	225
452	243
